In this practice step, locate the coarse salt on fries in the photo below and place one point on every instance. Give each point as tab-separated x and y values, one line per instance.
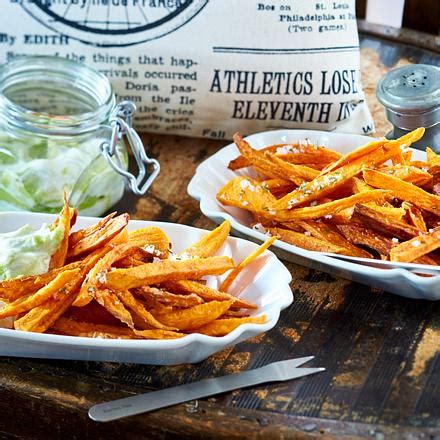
334	206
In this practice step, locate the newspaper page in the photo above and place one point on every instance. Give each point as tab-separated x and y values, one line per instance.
207	68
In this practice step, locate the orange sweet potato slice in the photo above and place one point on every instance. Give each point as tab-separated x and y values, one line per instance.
99	237
167	270
330	208
55	288
226	284
403	190
417	247
325	184
210	243
194	317
221	327
306	241
208	293
58	258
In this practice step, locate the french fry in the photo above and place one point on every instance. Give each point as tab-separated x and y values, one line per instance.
93	313
194	317
58	258
153	295
353	155
278	187
403	190
246	193
106	257
389	212
298	174
417	247
242	162
166	270
306	241
381	223
99	237
208	293
403	142
330	208
55	288
433	160
293	153
415	215
77	236
409	174
226	284
358	185
110	301
136	307
326	233
152	239
14	288
42	317
326	183
71	327
258	159
210	243
221	327
367	237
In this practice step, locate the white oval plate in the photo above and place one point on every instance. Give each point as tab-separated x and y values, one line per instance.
265	283
213	173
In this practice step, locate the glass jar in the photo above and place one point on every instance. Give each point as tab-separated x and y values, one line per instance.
62	131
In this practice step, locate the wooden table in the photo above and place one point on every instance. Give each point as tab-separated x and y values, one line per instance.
381	351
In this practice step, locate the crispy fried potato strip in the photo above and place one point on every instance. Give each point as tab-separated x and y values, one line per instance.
58	258
246	193
325	184
167	270
417	247
226	284
330	208
221	327
403	190
14	288
52	290
306	241
94	237
152	239
71	327
326	233
210	243
136	307
194	317
97	275
208	293
42	317
153	295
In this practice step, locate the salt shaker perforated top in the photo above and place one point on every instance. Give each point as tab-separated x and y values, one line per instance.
411	96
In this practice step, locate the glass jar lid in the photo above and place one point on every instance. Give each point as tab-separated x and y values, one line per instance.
411	96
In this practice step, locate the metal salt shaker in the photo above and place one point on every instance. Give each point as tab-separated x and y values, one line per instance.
411	97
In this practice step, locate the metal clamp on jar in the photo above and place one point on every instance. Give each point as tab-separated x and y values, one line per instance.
411	96
61	130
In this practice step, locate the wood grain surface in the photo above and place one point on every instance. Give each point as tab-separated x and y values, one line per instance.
381	351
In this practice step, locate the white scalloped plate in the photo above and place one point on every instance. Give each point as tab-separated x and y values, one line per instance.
265	283
213	173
